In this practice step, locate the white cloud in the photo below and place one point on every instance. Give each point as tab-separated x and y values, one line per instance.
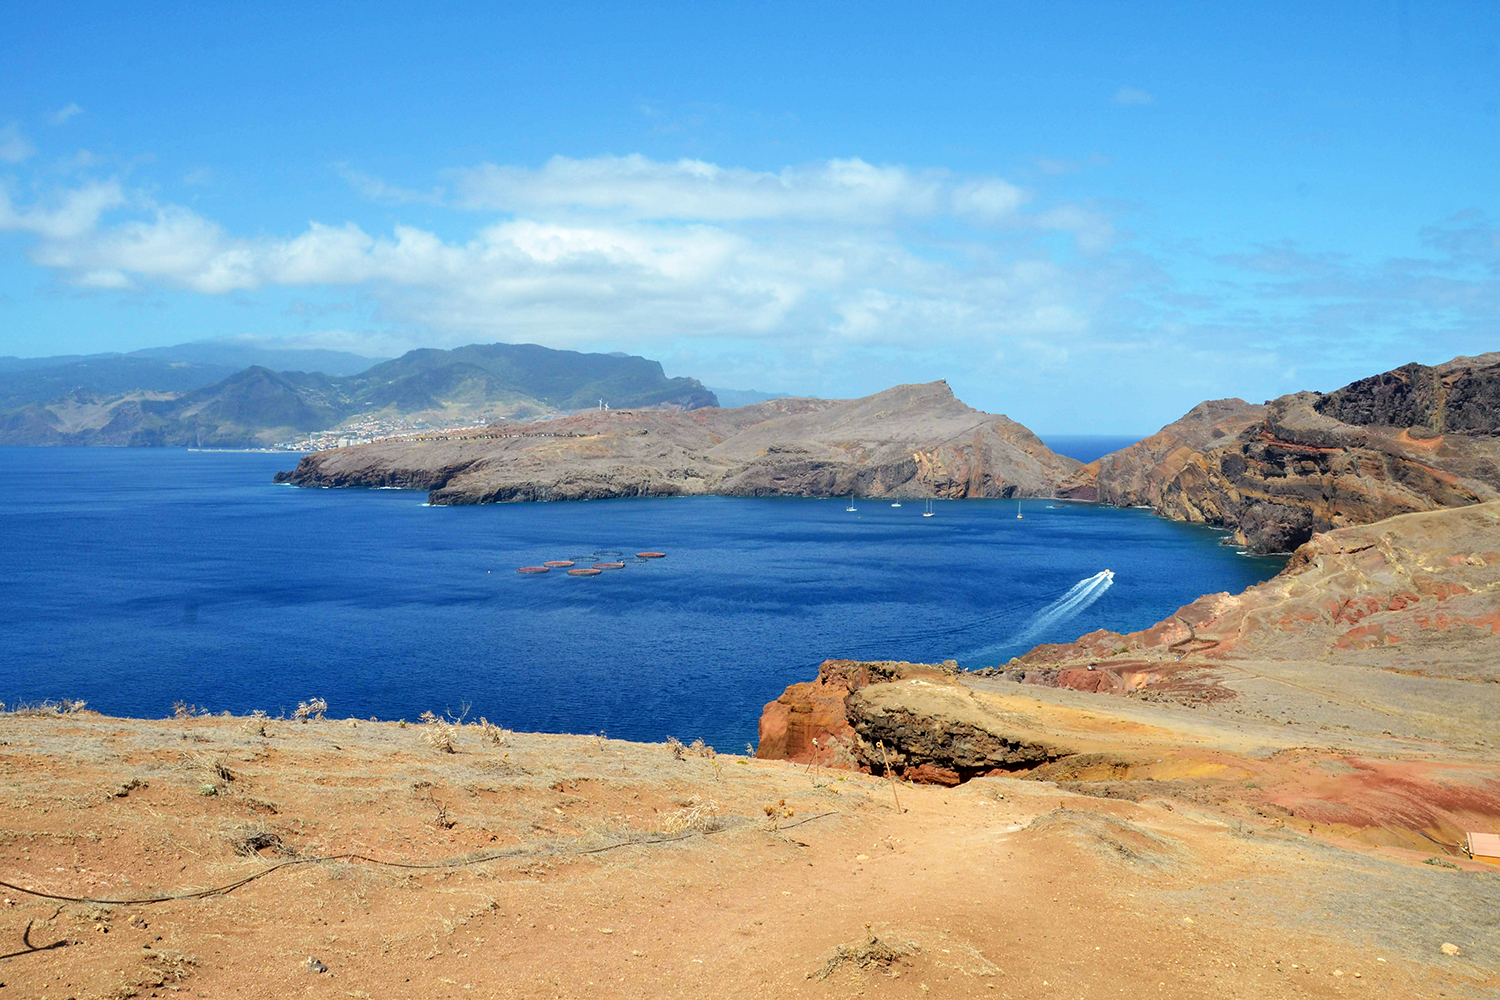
61	115
628	250
72	214
850	191
14	147
1127	96
378	190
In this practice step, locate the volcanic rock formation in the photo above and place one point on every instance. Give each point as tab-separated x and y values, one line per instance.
1388	629
1417	438
909	441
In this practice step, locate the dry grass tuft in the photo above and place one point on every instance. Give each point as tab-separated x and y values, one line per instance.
697	817
873	952
439	734
492	734
65	706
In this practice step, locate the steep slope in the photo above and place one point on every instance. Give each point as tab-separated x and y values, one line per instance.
1417	438
909	441
1417	595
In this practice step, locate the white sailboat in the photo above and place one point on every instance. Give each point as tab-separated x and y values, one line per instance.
928	511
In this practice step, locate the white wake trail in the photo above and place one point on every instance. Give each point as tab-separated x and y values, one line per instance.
1079	596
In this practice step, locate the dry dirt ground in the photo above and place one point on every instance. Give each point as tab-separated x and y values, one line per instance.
565	866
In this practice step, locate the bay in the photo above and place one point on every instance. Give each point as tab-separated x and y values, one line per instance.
137	578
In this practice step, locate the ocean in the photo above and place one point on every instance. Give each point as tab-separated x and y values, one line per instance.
138	578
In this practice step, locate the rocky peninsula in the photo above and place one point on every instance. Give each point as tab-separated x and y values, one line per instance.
910	441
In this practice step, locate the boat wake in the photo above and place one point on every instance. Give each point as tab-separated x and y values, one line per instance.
1079	596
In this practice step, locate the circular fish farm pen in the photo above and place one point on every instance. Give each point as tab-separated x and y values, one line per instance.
607	553
650	555
584	572
533	569
609	565
559	563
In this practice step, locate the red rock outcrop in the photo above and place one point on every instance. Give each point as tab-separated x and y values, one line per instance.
809	723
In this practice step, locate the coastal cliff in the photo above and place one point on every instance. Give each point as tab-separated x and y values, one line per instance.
910	441
1413	439
1380	629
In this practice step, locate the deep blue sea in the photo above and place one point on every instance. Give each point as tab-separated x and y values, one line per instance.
134	578
1087	447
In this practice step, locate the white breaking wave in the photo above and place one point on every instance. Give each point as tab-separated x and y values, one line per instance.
1079	596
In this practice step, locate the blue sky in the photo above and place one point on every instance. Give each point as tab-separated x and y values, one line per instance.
1087	216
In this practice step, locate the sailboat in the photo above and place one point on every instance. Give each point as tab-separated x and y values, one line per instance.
851	506
896	504
928	511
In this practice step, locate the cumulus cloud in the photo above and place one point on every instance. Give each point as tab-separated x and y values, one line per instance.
616	247
61	115
1127	96
14	147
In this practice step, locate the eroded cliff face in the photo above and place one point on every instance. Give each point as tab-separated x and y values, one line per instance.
1417	438
914	719
1393	626
911	441
1418	593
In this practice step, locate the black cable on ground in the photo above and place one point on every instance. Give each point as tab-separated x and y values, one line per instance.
506	855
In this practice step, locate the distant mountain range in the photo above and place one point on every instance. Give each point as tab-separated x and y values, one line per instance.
189	396
180	368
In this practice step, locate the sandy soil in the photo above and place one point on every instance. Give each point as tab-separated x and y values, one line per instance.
581	867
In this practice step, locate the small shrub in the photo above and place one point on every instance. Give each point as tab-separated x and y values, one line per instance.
313	708
679	752
776	812
440	737
1440	863
438	733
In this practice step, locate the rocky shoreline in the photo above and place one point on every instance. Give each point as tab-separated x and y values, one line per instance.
1414	439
